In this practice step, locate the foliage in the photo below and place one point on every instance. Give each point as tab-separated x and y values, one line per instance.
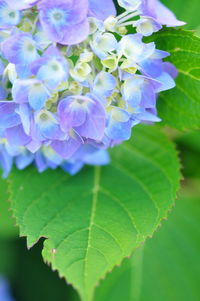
166	267
93	222
101	215
180	107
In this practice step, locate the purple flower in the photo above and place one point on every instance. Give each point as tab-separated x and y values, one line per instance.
47	158
46	126
6	162
69	146
21	4
147	116
51	63
24	158
10	124
16	136
8	15
156	10
133	48
85	114
102	9
41	126
8	116
3	90
30	91
20	49
153	65
72	166
2	67
141	91
64	21
118	124
92	155
104	85
147	25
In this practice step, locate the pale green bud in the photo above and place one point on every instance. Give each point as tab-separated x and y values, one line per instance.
110	62
86	56
75	88
10	72
122	30
128	66
81	71
52	101
110	23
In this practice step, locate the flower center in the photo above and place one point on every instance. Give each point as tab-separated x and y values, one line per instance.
12	14
58	16
30	47
80	101
44	117
55	67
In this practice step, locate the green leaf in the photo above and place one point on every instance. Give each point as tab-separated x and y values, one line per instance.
96	218
168	266
7	228
180	107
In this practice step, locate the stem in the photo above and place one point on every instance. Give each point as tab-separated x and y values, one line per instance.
128	17
126	24
123	15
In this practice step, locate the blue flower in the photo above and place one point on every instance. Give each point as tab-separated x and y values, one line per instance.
9	17
20	49
22	4
6	161
64	21
68	147
160	13
85	114
30	91
119	124
46	126
8	115
51	68
104	84
102	9
3	90
132	47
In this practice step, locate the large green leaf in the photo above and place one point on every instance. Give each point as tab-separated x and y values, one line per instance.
180	107
168	266
96	218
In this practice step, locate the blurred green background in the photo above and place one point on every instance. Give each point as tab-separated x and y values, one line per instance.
186	10
166	268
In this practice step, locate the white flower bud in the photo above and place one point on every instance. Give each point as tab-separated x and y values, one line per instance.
110	23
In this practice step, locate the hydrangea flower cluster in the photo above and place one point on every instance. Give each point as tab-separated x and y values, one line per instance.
75	77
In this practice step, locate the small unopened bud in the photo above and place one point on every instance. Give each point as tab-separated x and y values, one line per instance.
86	57
81	71
122	30
110	62
110	23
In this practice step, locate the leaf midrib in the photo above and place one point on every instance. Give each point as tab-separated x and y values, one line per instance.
96	189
